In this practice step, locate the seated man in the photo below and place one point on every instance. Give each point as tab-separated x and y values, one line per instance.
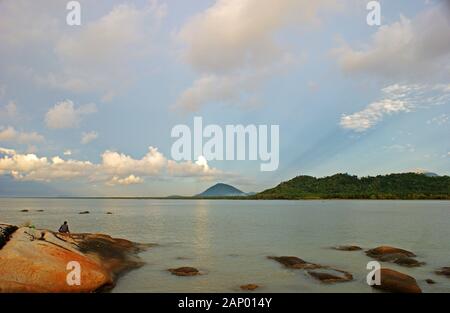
64	228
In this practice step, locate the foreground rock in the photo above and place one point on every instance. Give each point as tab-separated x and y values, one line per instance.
394	255
397	282
249	287
37	260
184	271
322	273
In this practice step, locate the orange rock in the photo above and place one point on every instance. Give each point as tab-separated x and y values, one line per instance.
36	261
397	282
249	287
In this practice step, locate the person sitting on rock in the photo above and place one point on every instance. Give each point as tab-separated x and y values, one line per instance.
64	228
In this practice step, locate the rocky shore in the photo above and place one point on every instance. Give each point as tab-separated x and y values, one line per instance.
33	260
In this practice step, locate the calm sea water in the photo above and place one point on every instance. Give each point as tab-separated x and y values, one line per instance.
229	240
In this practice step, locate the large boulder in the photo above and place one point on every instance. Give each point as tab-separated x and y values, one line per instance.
393	281
38	260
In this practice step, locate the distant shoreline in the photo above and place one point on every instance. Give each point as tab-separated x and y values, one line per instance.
221	198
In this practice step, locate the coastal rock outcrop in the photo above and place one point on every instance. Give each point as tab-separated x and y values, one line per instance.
395	255
184	271
34	260
393	281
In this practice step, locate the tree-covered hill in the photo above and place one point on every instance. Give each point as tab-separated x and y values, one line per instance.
344	186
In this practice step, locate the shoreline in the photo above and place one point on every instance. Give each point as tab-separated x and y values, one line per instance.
222	198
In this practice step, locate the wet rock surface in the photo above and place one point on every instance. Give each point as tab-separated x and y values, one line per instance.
322	273
84	212
330	275
393	281
184	271
36	261
294	262
347	248
394	255
249	287
445	271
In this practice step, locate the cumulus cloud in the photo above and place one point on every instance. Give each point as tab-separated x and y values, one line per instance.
231	59
192	169
130	180
10	134
114	169
99	57
407	49
65	115
396	99
88	137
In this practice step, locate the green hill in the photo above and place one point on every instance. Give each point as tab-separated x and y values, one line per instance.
344	186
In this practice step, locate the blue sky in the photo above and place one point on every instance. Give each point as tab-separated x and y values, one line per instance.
81	105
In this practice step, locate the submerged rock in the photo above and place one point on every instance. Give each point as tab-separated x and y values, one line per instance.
394	255
24	211
38	261
430	281
249	287
331	275
445	271
294	262
387	250
184	271
84	212
397	282
323	273
347	248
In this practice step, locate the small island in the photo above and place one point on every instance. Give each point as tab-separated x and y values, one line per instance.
405	186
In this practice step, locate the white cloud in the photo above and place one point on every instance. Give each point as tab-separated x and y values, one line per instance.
99	57
115	168
7	151
10	134
408	49
67	152
193	169
88	137
130	180
439	120
65	115
234	60
396	99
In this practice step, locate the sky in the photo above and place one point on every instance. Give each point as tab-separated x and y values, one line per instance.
88	110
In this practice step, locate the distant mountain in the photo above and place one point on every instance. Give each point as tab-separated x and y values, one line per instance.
426	173
344	186
221	190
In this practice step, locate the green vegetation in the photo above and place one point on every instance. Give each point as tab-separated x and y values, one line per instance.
344	186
